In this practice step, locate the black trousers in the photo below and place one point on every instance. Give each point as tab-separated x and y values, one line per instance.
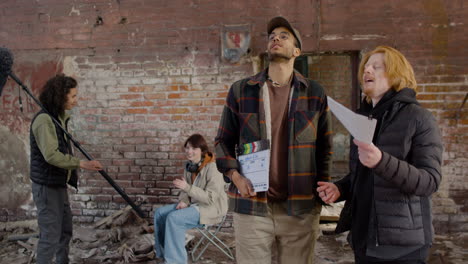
54	219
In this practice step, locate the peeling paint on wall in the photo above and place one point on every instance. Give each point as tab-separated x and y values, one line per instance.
353	37
367	37
74	11
70	67
331	37
15	187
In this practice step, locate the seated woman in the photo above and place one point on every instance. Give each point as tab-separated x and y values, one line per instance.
202	200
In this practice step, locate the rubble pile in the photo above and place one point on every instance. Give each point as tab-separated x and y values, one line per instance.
126	238
120	238
123	237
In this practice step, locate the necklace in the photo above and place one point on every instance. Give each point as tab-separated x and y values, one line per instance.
277	84
273	82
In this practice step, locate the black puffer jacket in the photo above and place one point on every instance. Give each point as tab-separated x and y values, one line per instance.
400	186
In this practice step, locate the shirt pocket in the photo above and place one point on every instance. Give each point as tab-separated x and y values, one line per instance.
249	127
305	126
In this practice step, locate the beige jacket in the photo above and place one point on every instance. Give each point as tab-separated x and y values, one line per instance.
207	191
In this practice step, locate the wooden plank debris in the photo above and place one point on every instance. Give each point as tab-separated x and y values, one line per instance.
22	236
331	213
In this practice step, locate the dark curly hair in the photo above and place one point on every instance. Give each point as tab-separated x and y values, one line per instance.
54	93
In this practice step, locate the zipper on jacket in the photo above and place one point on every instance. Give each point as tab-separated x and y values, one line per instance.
376	226
410	211
376	223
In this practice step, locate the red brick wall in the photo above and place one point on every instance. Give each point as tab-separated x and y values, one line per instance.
150	74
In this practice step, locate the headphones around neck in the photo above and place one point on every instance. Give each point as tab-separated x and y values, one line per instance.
192	167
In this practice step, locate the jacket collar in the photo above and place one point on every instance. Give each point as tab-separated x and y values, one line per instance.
405	95
65	116
63	119
209	157
261	77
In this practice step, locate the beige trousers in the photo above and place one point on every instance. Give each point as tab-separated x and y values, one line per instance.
293	236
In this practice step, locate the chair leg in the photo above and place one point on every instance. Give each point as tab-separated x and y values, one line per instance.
213	239
225	249
194	249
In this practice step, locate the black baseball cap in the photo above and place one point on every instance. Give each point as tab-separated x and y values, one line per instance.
282	22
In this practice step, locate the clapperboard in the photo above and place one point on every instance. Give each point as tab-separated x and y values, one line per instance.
254	160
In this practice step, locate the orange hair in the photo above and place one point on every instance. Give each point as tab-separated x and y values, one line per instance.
399	71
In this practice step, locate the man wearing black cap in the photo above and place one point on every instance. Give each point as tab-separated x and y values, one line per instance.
290	111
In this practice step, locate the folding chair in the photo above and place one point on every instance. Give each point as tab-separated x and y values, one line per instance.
209	233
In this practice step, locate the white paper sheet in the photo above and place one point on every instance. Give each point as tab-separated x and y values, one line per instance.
256	167
361	127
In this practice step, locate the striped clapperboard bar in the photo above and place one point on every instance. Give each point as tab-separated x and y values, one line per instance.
254	161
256	146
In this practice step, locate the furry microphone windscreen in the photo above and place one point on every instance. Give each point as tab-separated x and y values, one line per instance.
6	61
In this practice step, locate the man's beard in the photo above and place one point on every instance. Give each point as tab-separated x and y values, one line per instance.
278	57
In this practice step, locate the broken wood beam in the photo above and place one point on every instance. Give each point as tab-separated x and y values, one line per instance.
22	236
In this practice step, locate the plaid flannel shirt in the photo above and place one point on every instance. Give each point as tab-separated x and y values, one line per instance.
244	120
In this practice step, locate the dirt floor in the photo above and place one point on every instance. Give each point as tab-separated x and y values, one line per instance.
133	244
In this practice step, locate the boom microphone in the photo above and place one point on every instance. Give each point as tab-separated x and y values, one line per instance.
6	61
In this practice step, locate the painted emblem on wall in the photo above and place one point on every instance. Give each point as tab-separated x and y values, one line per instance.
235	42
